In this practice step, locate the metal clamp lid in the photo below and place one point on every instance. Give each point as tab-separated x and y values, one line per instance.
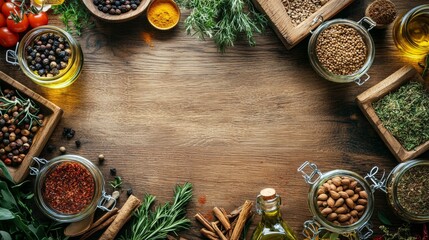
312	228
365	231
105	198
315	172
34	171
12	56
367	20
377	183
361	81
318	18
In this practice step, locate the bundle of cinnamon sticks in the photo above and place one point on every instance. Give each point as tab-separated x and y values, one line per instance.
228	226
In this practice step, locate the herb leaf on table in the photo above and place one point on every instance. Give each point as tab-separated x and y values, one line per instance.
74	15
164	219
225	21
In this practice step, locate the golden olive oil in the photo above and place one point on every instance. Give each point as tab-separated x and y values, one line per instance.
411	31
48	2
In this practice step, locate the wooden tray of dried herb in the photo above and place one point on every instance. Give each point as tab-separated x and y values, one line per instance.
51	116
409	136
293	20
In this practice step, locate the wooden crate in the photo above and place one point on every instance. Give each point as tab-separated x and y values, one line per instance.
391	83
281	23
52	115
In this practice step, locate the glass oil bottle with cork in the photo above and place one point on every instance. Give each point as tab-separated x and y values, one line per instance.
272	225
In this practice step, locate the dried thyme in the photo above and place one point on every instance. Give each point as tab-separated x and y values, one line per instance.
412	190
405	114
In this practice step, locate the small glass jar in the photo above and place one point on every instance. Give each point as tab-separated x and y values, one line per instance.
398	202
96	193
360	76
319	223
66	76
411	31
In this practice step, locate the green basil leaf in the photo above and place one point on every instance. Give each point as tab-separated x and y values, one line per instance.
5	235
5	214
334	236
5	172
383	219
7	199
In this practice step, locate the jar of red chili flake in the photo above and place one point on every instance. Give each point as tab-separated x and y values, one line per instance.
69	188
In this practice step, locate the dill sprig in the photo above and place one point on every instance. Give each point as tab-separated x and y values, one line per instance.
74	15
405	114
164	219
224	21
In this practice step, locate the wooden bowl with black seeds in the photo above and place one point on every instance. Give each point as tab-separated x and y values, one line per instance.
116	10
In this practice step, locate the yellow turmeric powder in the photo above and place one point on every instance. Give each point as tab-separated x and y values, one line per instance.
163	14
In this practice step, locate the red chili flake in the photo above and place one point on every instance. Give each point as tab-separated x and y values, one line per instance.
69	188
202	199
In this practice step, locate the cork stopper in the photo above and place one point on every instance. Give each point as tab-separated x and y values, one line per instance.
268	193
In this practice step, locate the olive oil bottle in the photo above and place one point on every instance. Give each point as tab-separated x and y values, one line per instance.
272	226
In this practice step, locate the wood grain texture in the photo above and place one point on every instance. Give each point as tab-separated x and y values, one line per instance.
290	34
388	85
177	110
52	115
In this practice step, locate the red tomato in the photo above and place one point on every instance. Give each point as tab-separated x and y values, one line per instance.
2	20
1	3
8	38
9	7
38	19
18	27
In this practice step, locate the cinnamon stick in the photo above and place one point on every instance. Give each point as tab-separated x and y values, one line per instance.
209	234
222	218
235	212
204	221
99	227
242	218
124	214
103	218
219	232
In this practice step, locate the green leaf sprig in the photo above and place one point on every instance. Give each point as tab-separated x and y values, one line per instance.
29	112
224	21
116	183
164	219
74	15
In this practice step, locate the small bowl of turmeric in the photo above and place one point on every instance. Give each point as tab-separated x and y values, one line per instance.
163	14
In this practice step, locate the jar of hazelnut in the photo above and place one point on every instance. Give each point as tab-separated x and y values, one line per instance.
340	201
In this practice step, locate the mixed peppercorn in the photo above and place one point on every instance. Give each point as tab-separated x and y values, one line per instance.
116	7
20	120
48	54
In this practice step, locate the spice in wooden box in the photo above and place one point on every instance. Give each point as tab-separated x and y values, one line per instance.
299	10
382	12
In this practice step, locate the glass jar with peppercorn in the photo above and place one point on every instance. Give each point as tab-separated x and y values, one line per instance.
340	201
50	57
69	188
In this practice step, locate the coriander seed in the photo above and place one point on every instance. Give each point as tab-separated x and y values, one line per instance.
63	150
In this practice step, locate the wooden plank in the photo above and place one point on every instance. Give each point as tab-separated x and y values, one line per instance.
52	115
367	98
290	34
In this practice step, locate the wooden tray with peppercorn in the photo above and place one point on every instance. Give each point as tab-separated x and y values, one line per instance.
371	105
292	20
32	129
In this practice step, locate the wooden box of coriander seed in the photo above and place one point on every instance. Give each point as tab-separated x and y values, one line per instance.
397	108
292	20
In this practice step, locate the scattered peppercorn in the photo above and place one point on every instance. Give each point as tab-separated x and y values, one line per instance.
68	133
48	54
113	171
116	7
129	192
63	150
101	158
50	148
78	143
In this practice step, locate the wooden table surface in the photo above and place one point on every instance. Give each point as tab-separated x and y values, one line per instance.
175	110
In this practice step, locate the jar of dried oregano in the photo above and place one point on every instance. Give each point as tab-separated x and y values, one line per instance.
407	189
342	50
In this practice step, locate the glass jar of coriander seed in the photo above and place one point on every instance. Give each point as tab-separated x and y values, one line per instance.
342	50
340	201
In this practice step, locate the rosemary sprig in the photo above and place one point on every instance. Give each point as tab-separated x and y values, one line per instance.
225	21
167	218
405	113
30	110
74	16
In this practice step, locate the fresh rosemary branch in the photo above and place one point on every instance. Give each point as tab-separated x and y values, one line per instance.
225	21
167	218
29	109
405	113
74	15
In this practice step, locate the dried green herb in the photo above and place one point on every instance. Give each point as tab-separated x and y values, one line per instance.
402	233
405	114
413	189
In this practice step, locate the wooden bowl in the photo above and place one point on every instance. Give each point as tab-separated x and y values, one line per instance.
123	17
52	115
390	84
